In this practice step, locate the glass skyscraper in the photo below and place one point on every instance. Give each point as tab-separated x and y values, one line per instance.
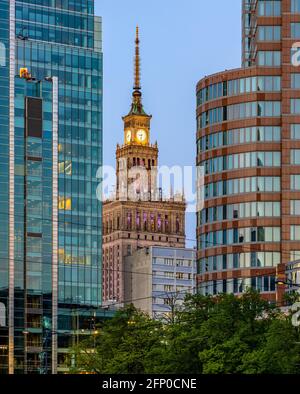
50	151
248	146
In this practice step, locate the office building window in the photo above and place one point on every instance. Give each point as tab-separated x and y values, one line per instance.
295	157
295	131
295	30
295	182
269	8
295	6
295	80
269	58
295	233
295	207
269	33
169	262
295	106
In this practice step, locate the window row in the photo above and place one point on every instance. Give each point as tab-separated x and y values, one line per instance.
244	185
80	151
269	58
82	135
169	288
237	286
254	84
172	275
240	236
239	211
83	6
269	8
54	17
144	221
239	86
239	111
75	187
172	262
61	35
75	58
269	33
212	92
242	136
241	160
83	241
253	109
245	210
75	168
225	262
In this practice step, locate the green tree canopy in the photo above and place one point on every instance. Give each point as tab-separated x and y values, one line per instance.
220	335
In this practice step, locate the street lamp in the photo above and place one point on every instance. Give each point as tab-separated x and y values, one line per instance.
285	281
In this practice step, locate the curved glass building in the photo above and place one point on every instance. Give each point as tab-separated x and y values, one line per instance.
248	146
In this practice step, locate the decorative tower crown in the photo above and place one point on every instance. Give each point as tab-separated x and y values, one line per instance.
137	122
137	106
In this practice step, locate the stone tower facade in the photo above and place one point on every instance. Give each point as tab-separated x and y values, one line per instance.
137	216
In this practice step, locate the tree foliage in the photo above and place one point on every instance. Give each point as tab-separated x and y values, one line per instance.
221	335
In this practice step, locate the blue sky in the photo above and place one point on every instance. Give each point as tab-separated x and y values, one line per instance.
181	42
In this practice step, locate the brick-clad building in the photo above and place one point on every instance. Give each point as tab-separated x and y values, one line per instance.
248	142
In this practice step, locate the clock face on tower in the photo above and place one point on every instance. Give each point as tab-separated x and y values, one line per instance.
128	136
141	135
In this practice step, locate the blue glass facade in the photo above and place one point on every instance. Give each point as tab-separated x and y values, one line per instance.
4	171
50	217
33	221
79	71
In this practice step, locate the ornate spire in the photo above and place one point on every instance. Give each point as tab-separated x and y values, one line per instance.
137	106
137	68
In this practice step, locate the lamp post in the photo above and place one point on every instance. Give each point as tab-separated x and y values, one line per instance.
283	282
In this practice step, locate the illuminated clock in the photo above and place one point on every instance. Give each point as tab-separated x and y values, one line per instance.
141	135
128	136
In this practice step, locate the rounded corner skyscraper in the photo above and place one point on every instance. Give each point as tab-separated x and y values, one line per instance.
248	145
50	151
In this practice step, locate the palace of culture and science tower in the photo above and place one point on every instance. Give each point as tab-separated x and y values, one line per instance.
138	216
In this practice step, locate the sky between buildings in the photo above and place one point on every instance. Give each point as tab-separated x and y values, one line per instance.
181	42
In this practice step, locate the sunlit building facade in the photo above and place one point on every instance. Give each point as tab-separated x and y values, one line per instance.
50	151
137	216
248	145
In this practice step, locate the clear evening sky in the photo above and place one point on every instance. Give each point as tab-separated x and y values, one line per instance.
181	41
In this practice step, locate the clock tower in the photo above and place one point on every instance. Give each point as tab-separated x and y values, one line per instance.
137	216
137	159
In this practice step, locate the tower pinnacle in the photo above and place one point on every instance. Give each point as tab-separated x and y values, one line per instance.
137	106
137	68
